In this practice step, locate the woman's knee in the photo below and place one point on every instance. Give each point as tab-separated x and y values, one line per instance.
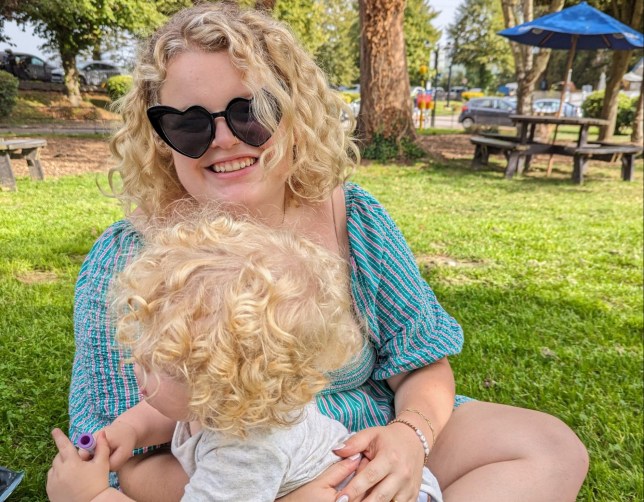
557	449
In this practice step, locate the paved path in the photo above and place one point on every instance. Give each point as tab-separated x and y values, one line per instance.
106	127
64	127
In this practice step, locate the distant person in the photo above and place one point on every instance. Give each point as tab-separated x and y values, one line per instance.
233	328
227	107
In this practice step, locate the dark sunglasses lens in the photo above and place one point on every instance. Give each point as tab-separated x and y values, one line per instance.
188	132
245	125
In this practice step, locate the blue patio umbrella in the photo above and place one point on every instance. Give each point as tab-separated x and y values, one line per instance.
580	27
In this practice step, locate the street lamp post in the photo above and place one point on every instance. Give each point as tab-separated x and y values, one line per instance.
449	54
433	119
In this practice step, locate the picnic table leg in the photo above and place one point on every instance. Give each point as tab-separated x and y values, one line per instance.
7	179
33	161
513	164
481	156
579	166
628	161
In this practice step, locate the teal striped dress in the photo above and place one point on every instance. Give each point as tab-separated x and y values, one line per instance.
407	327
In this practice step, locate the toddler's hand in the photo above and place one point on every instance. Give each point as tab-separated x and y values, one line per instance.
71	479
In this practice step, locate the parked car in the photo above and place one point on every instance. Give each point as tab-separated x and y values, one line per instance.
551	106
91	72
25	66
487	111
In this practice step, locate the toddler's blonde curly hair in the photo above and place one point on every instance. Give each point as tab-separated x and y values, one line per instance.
278	72
251	318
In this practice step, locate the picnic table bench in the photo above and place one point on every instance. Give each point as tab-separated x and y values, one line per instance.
20	148
507	146
606	152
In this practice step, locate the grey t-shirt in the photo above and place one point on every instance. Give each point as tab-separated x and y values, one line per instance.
261	467
264	467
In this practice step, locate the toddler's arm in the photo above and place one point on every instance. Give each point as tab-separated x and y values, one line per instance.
140	426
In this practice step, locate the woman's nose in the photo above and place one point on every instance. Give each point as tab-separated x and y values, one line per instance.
224	137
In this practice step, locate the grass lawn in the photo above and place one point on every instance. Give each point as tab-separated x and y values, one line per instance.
545	277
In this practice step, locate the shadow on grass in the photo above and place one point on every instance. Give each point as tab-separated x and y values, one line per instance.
532	179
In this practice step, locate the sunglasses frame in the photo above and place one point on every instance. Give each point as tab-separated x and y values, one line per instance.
157	112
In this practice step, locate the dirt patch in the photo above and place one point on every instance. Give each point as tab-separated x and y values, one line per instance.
447	146
446	261
67	155
36	277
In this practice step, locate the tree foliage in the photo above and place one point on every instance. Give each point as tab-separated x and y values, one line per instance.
329	30
339	54
476	43
420	37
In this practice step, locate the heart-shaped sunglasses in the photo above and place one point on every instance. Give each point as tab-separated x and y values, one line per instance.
191	131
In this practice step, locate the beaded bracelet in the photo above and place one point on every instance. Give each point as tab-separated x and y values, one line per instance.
429	423
418	432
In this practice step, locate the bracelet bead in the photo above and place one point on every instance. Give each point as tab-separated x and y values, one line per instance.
427	420
418	432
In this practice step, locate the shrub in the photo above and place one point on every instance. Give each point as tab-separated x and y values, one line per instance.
118	86
592	107
349	97
8	93
385	149
467	95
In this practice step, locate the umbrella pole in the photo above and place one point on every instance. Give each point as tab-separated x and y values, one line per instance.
568	79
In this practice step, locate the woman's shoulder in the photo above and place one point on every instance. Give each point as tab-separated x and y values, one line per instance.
120	237
111	252
367	218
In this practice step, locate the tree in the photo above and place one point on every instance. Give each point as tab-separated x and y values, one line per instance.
630	13
638	130
476	43
528	65
71	26
385	108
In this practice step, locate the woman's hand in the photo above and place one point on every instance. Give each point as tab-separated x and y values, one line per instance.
322	488
72	479
395	469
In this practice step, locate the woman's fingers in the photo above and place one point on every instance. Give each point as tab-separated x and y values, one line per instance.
357	443
340	471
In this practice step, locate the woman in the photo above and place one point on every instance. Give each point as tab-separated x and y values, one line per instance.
226	107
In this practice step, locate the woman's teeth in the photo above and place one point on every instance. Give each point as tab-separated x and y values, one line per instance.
235	165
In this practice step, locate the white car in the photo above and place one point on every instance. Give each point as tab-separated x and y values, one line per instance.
91	72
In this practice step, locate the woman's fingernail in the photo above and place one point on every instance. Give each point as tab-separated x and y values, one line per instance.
338	447
356	456
344	498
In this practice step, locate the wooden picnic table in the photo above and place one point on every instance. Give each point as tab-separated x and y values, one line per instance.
520	149
20	148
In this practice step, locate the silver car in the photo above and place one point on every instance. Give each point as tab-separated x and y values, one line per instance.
91	72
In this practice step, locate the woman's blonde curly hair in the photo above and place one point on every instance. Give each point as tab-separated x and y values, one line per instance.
251	318
278	72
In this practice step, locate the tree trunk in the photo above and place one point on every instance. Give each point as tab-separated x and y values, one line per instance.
637	136
385	104
265	5
72	88
629	13
528	66
609	108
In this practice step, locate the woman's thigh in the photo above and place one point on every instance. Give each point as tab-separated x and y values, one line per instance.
484	440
